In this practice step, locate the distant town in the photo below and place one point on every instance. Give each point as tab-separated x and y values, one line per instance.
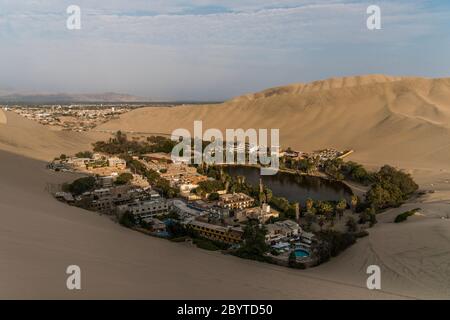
73	117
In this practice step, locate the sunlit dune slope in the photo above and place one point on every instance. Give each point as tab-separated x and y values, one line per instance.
398	120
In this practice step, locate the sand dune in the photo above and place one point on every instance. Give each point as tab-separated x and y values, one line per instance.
403	121
26	137
3	119
40	237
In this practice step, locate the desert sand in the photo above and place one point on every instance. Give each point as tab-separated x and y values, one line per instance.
401	121
40	237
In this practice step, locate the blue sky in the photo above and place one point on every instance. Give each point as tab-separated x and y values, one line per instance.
214	50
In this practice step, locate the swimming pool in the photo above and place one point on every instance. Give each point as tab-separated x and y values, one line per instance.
299	253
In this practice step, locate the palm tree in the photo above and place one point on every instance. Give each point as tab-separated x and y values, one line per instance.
354	202
309	204
327	209
340	207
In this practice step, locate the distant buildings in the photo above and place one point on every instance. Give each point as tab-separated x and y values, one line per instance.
282	229
229	235
145	208
321	155
71	118
235	201
262	213
118	163
65	196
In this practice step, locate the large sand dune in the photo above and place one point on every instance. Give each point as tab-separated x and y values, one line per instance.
40	237
402	121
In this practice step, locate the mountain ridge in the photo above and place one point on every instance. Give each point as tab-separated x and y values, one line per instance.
24	97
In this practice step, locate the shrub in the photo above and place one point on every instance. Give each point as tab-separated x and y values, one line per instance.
127	220
214	196
331	243
404	216
84	154
205	244
81	185
123	178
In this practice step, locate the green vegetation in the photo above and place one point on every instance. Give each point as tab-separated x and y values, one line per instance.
391	188
121	145
209	186
153	177
331	243
127	220
404	216
351	225
123	178
176	230
292	259
254	246
205	244
214	196
333	169
356	172
368	215
84	154
340	170
80	186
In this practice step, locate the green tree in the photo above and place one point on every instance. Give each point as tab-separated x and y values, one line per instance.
292	258
309	204
351	225
82	185
354	202
214	196
254	245
123	178
127	220
84	154
340	207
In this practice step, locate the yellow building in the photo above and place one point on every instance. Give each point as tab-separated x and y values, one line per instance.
236	201
230	235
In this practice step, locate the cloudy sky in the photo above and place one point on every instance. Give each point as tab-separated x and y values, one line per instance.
214	49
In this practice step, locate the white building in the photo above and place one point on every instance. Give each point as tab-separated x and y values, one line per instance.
282	229
146	208
116	162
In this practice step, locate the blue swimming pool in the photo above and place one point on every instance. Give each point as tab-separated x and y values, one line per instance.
299	253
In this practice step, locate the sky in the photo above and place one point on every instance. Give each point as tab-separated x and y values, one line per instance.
213	50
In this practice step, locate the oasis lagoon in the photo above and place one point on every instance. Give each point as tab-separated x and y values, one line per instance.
294	187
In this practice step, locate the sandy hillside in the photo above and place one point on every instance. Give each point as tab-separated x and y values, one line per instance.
3	119
39	236
26	137
402	121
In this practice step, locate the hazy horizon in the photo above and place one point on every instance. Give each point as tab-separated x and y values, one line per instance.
207	50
